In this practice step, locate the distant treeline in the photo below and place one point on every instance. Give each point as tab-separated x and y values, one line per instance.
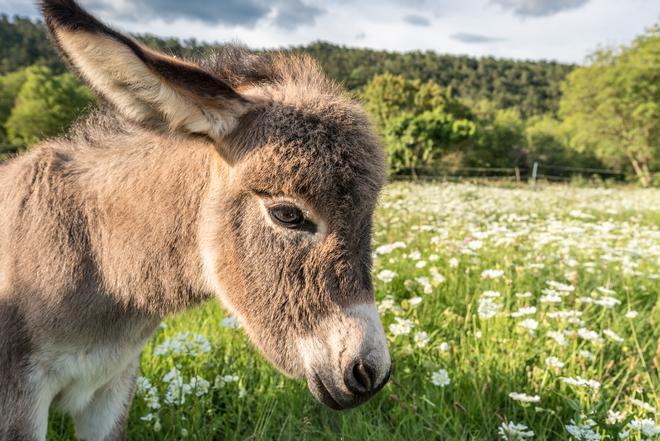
531	86
435	112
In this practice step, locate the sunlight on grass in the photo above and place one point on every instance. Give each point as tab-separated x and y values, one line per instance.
511	314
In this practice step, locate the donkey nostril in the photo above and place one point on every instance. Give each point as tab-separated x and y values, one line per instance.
360	378
363	375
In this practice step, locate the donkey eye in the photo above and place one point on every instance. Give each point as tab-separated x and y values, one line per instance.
288	216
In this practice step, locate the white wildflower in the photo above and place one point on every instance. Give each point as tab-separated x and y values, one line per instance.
581	382
491	294
177	389
199	385
643	405
184	343
558	337
582	432
614	417
526	310
587	355
440	378
426	284
142	385
231	322
565	315
386	304
386	249
401	327
149	392
386	276
524	398
560	286
514	432
524	295
474	245
221	381
589	335
647	426
613	336
554	362
421	339
453	262
632	314
437	277
414	301
607	302
530	324
488	308
444	347
550	298
492	274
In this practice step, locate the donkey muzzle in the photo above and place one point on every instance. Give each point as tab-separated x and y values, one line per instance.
349	362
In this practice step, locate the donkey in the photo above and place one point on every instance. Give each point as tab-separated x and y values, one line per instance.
248	178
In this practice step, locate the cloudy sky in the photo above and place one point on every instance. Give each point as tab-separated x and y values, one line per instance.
563	30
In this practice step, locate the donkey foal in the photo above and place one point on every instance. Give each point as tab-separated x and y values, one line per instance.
251	179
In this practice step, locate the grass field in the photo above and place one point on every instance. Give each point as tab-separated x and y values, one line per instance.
504	307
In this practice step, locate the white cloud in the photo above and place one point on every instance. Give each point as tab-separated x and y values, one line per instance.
539	8
564	30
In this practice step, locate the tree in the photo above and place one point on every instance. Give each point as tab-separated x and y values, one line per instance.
532	86
10	86
418	140
421	122
387	96
45	106
547	141
612	106
499	139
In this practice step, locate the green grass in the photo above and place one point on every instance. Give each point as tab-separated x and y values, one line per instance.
584	238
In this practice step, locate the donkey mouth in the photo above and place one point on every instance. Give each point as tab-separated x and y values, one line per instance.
321	392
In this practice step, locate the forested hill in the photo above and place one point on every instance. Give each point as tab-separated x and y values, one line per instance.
531	86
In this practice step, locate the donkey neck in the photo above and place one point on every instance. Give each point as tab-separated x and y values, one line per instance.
144	211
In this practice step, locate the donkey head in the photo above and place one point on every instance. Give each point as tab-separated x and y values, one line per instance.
285	232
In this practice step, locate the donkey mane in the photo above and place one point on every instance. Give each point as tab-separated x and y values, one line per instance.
240	67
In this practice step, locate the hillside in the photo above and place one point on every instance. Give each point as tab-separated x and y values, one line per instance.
531	86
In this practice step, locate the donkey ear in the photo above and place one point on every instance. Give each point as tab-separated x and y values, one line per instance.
145	86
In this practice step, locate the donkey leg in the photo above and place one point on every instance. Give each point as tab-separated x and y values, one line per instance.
25	416
24	399
105	418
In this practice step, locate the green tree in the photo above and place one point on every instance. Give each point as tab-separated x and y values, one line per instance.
387	96
547	141
45	106
499	139
10	85
612	106
415	141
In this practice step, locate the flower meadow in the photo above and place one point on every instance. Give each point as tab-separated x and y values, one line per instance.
511	313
